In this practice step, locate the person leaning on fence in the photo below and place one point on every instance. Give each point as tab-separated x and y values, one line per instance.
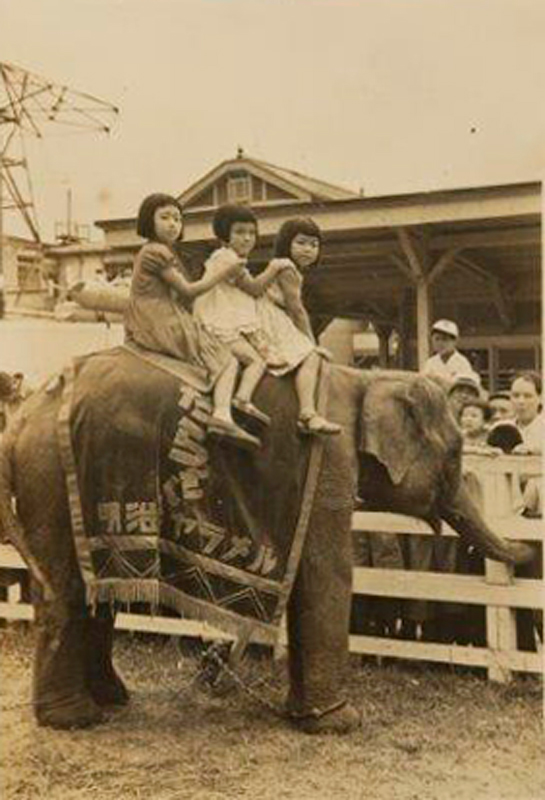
462	390
501	406
526	399
474	418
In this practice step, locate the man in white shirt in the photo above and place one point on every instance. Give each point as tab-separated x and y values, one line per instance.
447	362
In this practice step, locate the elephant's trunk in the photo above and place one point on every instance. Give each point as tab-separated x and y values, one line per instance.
10	526
462	514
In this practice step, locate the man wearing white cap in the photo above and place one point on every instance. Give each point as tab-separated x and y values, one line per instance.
447	362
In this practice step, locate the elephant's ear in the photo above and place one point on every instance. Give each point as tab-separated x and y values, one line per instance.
391	430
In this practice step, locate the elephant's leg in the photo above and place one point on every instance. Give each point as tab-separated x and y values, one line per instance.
105	685
60	692
60	695
318	619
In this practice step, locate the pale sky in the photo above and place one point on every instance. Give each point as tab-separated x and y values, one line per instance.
390	95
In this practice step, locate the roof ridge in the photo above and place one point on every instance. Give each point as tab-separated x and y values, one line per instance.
294	172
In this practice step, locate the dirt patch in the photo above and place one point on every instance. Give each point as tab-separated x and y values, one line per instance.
427	735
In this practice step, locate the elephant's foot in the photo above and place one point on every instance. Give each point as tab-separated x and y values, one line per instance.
104	683
65	713
109	690
340	718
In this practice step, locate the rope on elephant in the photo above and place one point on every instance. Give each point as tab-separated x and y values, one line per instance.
215	666
212	670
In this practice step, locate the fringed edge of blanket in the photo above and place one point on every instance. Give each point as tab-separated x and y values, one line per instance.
122	591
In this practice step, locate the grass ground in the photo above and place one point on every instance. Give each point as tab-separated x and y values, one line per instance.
427	735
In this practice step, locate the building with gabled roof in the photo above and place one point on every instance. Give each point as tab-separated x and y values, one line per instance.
258	183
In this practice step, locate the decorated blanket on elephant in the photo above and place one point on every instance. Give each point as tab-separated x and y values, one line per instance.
161	514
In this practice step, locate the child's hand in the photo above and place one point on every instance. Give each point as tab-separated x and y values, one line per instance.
235	269
278	264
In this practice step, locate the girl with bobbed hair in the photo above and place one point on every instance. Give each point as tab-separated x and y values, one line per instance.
286	321
159	315
301	229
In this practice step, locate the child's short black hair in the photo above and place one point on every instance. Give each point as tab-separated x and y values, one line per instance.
145	225
226	216
289	230
505	435
478	403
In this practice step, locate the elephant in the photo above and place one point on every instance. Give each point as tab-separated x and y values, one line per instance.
399	450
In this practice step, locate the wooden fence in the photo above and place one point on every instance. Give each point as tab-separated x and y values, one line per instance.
497	590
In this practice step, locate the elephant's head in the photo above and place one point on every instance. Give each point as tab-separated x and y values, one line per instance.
407	429
408	448
407	443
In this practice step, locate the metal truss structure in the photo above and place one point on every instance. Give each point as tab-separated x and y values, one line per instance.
29	104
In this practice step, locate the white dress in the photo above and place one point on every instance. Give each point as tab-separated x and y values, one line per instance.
291	344
225	309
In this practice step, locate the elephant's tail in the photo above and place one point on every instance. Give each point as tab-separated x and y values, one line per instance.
10	525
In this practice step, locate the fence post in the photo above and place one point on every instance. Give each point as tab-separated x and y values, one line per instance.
501	630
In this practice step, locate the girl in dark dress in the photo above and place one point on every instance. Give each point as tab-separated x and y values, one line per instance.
159	316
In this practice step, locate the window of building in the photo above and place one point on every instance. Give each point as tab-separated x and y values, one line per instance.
239	189
513	360
497	364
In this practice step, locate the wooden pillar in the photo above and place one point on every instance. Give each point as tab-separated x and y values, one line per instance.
383	332
404	329
415	263
422	320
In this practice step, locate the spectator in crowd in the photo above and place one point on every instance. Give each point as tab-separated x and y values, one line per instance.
526	399
463	389
504	435
474	418
501	406
447	363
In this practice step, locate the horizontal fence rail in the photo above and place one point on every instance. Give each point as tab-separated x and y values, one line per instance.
501	479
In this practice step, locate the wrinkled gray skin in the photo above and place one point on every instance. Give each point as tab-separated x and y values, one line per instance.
396	428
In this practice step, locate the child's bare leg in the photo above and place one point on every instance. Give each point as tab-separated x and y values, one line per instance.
224	389
221	422
254	368
306	379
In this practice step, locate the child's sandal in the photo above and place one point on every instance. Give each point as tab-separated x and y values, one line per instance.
228	430
316	425
248	408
